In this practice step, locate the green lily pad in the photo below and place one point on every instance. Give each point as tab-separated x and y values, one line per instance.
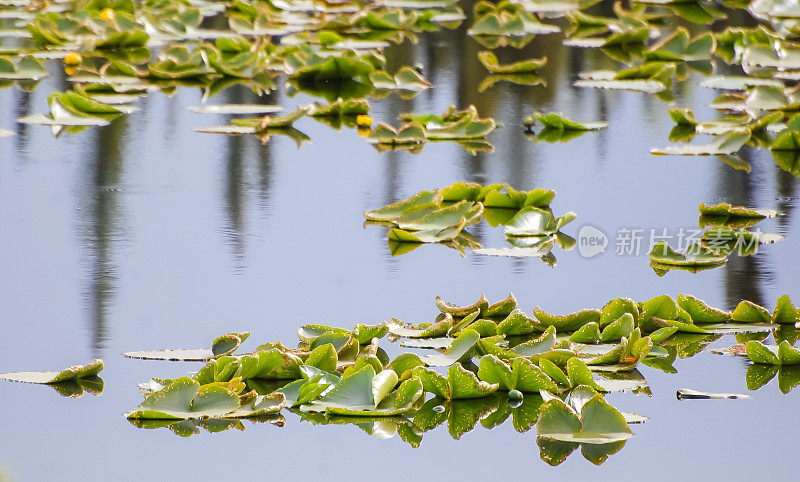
567	323
782	354
519	374
599	422
696	255
533	221
459	383
785	312
456	351
489	60
749	312
72	373
557	121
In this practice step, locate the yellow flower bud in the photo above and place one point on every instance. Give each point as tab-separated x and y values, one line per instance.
363	120
73	59
107	14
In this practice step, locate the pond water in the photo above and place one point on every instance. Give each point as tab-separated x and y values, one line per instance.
146	234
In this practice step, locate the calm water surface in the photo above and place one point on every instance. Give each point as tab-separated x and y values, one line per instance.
145	234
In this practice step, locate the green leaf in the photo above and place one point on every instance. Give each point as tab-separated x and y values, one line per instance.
749	312
489	60
365	333
323	357
464	384
588	333
456	351
759	353
481	305
516	323
567	323
696	255
701	312
785	312
72	373
622	327
557	121
185	399
503	307
533	221
552	371
579	374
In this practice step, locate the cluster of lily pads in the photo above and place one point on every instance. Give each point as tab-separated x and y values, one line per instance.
489	362
441	216
727	233
107	46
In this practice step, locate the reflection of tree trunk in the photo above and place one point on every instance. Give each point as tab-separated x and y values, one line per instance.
786	188
743	275
103	227
236	175
22	109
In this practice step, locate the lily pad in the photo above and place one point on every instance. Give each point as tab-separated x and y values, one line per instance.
72	373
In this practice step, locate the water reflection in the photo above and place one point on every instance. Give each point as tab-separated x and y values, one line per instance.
101	228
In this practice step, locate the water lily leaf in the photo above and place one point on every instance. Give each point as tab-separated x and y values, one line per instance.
533	221
599	422
323	357
228	343
785	312
749	312
520	374
689	394
608	80
456	351
696	255
489	60
728	211
553	120
588	333
537	346
503	307
722	144
185	399
404	363
738	82
72	373
482	305
424	330
580	375
459	383
679	46
615	308
27	68
365	333
180	354
616	330
392	212
700	312
354	392
554	372
235	109
406	79
782	354
567	323
517	323
411	133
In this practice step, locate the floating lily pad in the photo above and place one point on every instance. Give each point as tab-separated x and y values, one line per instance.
489	60
235	109
72	373
598	423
